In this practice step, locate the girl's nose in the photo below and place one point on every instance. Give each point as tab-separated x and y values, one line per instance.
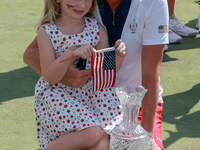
81	3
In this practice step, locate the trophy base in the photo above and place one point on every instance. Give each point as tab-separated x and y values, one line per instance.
127	144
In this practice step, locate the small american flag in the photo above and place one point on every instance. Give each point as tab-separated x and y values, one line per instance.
162	29
103	70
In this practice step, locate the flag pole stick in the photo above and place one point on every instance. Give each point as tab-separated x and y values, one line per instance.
68	58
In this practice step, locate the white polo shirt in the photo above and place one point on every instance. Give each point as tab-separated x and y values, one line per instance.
146	24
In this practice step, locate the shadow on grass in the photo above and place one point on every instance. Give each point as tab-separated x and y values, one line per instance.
188	43
167	58
17	83
176	109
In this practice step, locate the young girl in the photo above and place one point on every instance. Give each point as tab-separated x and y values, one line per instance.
73	118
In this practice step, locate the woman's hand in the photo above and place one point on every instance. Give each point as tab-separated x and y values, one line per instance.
76	78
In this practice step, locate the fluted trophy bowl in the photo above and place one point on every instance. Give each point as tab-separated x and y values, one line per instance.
130	135
129	96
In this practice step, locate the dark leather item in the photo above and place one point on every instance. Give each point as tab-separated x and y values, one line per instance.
81	64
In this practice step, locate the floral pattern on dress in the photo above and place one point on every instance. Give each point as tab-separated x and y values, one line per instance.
61	109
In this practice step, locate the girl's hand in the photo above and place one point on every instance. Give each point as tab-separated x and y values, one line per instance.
84	51
120	48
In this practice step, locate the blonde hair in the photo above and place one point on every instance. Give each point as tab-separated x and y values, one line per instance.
52	11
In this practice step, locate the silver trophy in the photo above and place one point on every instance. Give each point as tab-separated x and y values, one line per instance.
130	135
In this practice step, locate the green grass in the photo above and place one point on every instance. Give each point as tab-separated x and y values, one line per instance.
180	78
17	117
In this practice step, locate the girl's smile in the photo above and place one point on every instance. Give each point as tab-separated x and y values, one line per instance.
79	12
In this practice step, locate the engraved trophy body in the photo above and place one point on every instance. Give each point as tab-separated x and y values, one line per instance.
130	135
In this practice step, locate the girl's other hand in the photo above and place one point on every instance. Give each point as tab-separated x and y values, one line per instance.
84	51
120	48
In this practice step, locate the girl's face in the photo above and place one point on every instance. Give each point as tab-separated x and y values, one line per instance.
75	8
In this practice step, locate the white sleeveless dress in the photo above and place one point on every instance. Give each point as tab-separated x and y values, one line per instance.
61	109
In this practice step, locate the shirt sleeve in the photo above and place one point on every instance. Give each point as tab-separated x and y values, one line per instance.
156	24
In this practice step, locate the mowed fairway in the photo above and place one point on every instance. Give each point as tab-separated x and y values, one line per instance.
180	79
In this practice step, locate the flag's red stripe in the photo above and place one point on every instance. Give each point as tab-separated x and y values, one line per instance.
107	78
92	68
103	78
96	70
113	78
101	81
100	70
110	78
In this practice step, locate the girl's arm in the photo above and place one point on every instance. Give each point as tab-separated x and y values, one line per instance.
52	69
119	45
73	77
